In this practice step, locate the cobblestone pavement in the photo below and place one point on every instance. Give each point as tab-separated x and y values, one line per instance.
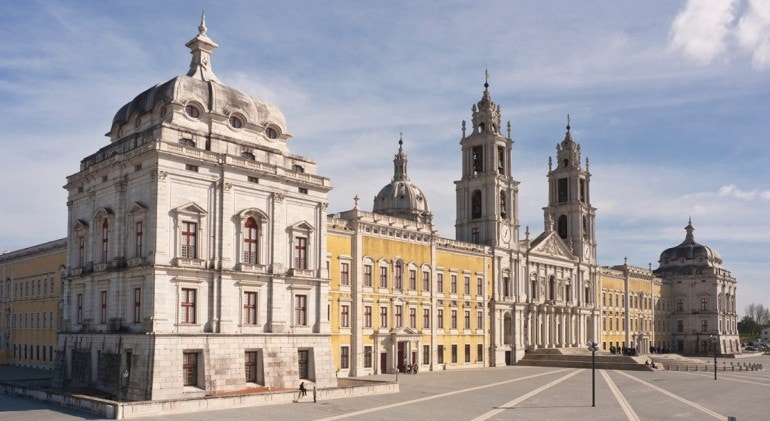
521	393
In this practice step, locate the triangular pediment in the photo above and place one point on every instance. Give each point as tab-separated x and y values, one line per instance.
551	244
302	226
137	207
191	208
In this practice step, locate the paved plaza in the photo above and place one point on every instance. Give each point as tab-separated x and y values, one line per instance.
521	393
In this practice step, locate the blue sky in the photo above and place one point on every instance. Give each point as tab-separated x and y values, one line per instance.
669	100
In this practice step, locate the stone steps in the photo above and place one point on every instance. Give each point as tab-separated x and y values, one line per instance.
581	359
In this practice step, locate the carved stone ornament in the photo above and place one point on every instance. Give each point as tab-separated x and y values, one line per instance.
278	197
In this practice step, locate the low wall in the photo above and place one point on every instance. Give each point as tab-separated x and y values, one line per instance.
349	388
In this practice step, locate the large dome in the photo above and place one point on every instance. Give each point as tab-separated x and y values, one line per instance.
199	88
402	198
689	253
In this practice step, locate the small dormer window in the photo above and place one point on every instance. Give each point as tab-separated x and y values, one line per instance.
235	122
271	133
192	111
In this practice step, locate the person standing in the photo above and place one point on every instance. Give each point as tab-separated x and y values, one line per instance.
302	390
314	392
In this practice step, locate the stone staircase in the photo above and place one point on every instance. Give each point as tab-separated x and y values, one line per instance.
581	358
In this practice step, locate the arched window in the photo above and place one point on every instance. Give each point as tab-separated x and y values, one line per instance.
503	205
562	226
476	204
250	241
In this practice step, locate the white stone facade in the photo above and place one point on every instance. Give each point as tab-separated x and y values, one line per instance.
195	234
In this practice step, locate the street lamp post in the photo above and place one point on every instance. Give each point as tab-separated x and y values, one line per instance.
593	347
714	339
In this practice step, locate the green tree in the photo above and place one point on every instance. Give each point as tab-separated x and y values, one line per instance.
748	326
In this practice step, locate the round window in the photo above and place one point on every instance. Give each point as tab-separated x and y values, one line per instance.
271	133
236	122
192	111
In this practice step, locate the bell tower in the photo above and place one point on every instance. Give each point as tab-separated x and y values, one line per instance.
487	195
569	211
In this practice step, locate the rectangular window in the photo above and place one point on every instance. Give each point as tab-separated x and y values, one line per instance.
704	325
467	285
345	357
426	281
191	167
300	253
453	285
704	304
137	305
367	316
440	354
413	318
302	190
479	287
412	280
398	276
426	318
426	354
440	318
479	320
440	283
477	159
467	319
139	238
188	305
300	310
103	308
367	275
467	353
345	316
679	304
680	325
251	365
367	357
79	302
454	354
189	240
399	316
252	179
190	368
249	308
475	236
105	240
454	319
344	273
480	352
383	317
562	187
383	276
81	251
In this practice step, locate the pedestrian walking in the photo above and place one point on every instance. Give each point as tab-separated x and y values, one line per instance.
302	390
314	400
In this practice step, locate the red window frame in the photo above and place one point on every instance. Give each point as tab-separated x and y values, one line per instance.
300	253
188	305
139	238
189	239
250	308
250	241
300	310
105	239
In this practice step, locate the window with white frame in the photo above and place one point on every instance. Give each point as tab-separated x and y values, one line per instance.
302	235
345	315
250	241
367	274
344	273
367	316
190	229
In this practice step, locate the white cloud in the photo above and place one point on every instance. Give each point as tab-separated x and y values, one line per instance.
753	32
702	29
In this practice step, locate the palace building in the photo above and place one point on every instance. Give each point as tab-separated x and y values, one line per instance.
201	258
196	248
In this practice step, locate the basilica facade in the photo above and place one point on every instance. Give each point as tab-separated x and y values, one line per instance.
482	299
